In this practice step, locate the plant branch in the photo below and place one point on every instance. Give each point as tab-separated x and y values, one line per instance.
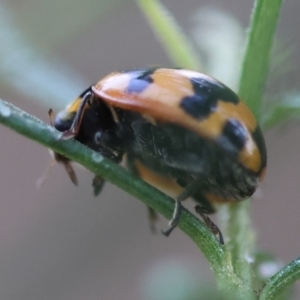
257	55
46	135
240	235
281	280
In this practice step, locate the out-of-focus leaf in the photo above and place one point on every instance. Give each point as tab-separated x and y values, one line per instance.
175	42
287	110
219	37
28	69
48	23
177	280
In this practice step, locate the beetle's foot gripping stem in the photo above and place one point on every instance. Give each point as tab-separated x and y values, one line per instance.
69	134
187	192
210	224
175	219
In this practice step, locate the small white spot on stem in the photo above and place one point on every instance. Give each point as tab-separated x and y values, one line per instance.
4	110
97	157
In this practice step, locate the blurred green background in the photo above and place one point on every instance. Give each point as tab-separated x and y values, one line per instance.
59	242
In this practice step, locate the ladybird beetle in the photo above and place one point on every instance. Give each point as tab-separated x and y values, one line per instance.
182	131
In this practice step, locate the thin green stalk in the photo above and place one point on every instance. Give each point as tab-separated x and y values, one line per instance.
46	135
176	44
239	238
252	82
281	280
257	55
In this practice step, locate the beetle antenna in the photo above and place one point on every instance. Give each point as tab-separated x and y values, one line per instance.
57	158
51	115
39	183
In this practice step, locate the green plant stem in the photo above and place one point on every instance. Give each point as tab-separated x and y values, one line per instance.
46	135
176	44
239	238
257	55
281	280
239	231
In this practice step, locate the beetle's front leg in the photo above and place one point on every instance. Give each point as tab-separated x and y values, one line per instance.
188	191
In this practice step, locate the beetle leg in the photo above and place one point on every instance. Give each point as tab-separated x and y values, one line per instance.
188	191
175	218
209	223
73	131
153	216
98	183
67	164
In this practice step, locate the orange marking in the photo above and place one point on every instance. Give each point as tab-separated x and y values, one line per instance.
165	184
73	107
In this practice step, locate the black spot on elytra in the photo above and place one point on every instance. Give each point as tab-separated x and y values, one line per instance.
198	106
233	137
140	80
206	95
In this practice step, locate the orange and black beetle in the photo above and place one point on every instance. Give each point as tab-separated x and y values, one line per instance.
182	131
